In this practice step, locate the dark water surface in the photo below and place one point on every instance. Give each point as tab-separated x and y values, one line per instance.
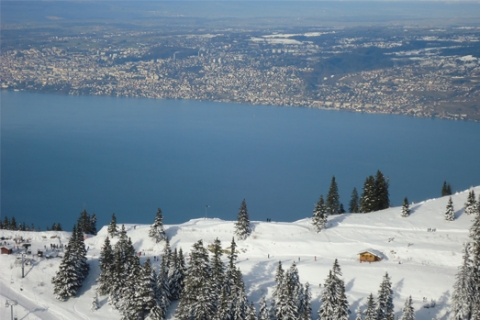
60	154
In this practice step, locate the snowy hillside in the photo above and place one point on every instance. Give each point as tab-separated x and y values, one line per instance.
420	263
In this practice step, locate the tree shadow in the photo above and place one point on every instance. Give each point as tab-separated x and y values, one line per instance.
260	279
397	288
335	220
435	312
91	279
356	305
414	208
459	213
349	285
172	231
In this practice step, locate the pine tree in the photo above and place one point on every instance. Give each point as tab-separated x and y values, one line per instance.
251	312
83	222
107	266
198	298
156	313
176	275
129	306
342	209
80	254
381	192
384	307
306	308
405	208
263	313
408	311
370	312
450	212
319	217
328	299
471	204
466	294
446	189
93	224
218	268
156	230
333	199
145	290
242	226
68	278
112	227
368	201
95	303
358	314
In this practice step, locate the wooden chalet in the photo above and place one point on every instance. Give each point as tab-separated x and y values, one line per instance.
6	250
370	255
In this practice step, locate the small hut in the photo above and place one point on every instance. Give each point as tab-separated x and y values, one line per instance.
370	255
6	250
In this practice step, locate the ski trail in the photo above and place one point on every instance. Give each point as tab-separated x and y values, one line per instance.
42	312
77	312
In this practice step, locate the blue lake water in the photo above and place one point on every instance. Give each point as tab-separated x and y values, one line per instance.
130	156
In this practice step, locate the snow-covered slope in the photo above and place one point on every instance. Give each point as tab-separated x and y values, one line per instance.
420	263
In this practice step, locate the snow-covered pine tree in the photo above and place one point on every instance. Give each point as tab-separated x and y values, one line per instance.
156	313
67	280
471	204
358	314
342	310
333	199
449	211
370	312
95	303
107	266
224	307
198	297
241	303
176	276
306	310
242	226
112	227
328	299
93	224
129	306
286	306
163	293
384	307
251	312
368	200
353	204
279	278
408	311
405	208
83	222
156	229
263	312
80	255
218	268
463	290
381	192
145	290
319	217
119	280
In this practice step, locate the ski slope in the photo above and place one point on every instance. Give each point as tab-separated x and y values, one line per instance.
420	263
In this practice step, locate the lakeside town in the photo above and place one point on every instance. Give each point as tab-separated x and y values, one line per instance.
420	72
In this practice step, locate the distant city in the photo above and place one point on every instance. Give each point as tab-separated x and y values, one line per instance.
410	70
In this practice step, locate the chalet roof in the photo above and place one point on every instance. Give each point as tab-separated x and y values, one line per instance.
374	252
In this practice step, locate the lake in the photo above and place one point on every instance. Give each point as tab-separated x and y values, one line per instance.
129	156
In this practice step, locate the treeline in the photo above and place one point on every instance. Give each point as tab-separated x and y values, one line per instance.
86	223
375	196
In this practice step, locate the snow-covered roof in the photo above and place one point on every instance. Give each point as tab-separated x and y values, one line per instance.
374	252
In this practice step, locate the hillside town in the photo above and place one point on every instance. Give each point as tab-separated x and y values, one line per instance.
418	74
